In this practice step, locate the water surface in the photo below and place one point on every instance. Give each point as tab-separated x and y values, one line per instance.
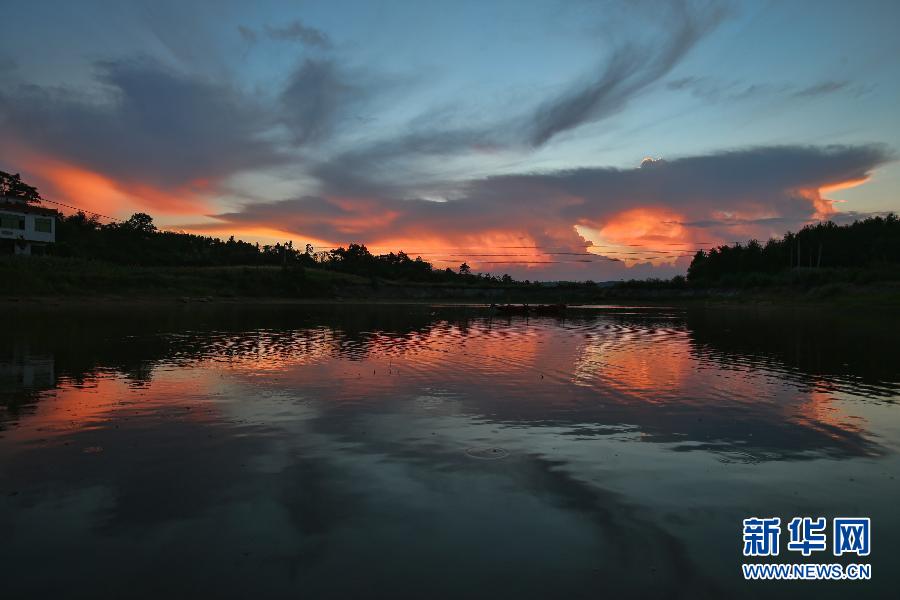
436	451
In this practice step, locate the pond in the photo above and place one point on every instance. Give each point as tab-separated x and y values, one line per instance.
416	451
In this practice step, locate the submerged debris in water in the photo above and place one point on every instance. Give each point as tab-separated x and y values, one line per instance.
492	453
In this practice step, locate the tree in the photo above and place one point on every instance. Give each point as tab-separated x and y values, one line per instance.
464	269
14	187
142	223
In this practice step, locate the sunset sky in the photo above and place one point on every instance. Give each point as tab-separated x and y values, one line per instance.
577	140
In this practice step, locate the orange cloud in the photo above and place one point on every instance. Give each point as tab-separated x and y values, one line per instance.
253	233
482	251
88	190
639	235
825	207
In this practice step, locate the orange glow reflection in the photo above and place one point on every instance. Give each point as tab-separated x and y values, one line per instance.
100	400
653	375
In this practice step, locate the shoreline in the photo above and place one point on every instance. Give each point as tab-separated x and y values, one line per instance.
870	299
52	281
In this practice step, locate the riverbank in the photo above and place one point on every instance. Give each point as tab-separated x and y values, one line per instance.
53	277
868	298
52	281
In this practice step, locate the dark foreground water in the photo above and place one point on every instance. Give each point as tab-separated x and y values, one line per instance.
428	452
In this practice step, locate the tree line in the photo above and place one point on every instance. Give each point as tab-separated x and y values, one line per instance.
137	241
870	243
873	242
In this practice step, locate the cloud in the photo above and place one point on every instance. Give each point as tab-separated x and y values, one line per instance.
389	166
247	34
715	90
784	223
316	98
632	214
171	135
152	124
164	127
147	126
297	31
630	70
650	162
820	89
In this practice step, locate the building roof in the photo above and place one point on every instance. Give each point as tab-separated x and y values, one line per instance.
13	205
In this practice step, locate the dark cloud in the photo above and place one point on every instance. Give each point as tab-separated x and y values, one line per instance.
316	98
819	89
148	123
297	31
153	124
165	126
544	208
841	218
714	90
683	83
719	223
388	167
630	70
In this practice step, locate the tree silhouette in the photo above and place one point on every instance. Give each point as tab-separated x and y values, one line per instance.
464	269
137	241
12	186
140	222
872	242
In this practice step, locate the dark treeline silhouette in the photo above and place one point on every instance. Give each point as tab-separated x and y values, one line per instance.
814	255
137	241
357	259
871	244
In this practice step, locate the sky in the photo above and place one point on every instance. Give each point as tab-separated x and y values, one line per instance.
548	140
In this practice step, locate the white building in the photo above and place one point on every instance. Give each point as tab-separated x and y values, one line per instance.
25	228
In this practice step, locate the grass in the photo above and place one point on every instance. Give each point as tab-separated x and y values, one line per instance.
51	276
56	277
80	278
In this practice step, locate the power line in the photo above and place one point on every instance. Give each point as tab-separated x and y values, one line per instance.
90	212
